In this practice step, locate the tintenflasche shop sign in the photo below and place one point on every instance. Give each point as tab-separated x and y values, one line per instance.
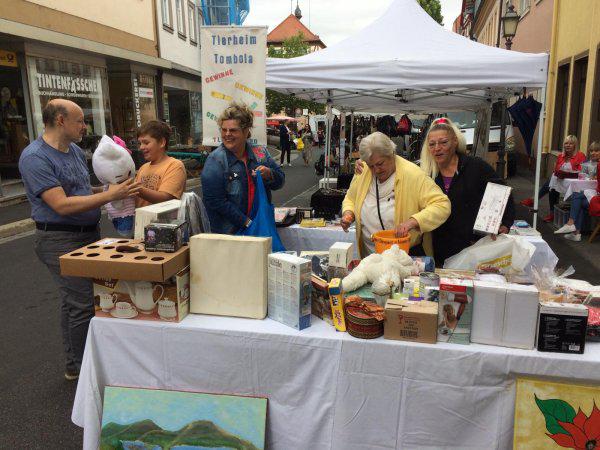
66	86
233	63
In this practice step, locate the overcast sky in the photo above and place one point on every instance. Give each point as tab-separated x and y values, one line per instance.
333	20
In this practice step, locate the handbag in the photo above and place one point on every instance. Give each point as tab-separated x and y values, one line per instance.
263	217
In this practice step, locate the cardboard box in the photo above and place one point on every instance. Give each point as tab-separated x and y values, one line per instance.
562	327
142	300
336	298
340	254
160	212
229	275
504	314
411	321
164	237
491	209
455	310
320	305
289	297
123	259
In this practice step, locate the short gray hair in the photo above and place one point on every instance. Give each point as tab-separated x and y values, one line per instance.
376	143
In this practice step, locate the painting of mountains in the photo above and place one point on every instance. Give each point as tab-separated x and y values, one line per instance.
145	419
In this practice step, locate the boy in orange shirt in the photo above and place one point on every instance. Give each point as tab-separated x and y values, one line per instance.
162	177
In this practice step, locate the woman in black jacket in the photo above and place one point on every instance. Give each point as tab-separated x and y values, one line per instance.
463	179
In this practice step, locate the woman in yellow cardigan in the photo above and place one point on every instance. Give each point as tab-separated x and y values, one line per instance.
393	194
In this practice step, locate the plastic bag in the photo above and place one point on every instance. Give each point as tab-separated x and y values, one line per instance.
193	212
263	218
509	254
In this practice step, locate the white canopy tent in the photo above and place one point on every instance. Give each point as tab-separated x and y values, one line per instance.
405	61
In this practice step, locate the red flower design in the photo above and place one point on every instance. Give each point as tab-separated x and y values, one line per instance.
583	432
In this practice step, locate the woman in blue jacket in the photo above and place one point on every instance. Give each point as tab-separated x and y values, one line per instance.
228	177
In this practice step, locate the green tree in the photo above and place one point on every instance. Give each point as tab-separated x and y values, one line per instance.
276	101
434	9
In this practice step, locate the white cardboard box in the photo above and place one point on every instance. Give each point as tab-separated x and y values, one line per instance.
228	275
491	209
340	254
289	297
488	312
165	211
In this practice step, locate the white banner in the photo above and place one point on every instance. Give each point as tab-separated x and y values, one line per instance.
233	69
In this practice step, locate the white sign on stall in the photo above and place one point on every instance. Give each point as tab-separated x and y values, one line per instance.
233	69
491	209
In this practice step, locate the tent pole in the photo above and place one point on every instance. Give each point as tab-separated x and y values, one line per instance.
328	114
538	161
342	154
351	131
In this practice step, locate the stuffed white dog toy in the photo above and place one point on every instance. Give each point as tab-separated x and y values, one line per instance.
112	164
375	265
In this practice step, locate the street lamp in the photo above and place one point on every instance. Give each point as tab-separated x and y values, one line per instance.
510	22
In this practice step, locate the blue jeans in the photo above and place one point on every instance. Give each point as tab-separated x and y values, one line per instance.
579	207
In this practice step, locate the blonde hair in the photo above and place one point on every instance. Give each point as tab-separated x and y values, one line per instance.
376	143
571	139
240	112
428	164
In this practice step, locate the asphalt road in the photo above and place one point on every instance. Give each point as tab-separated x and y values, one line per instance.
35	399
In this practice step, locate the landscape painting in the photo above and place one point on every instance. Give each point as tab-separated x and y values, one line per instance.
147	419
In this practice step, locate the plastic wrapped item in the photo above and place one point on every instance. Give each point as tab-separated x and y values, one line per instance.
559	288
193	212
592	302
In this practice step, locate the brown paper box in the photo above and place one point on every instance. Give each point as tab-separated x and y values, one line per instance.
123	259
411	321
167	301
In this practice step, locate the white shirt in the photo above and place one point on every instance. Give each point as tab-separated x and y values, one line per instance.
368	213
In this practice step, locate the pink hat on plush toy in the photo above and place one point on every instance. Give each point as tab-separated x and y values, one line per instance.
121	142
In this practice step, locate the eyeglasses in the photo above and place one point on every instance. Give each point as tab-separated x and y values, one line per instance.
442	143
230	130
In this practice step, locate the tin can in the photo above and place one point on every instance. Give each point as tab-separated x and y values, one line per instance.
428	279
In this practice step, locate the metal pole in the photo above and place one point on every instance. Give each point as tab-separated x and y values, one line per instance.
342	155
538	160
351	131
328	114
501	164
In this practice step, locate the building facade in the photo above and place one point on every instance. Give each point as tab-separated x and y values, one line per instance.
291	27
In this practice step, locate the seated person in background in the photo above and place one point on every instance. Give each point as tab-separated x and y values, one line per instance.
228	183
568	161
162	177
590	167
463	179
392	193
580	203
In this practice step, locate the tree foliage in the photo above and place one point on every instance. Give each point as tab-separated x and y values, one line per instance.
291	48
434	9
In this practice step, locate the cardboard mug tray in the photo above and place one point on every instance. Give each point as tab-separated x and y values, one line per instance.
122	259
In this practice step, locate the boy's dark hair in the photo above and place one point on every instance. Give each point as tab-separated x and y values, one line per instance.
156	129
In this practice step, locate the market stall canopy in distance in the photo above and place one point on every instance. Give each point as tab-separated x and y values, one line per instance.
405	61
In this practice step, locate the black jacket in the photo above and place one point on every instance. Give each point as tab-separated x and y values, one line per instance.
465	194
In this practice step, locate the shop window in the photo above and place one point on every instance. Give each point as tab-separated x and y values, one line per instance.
595	113
578	96
180	12
192	23
560	107
89	90
167	16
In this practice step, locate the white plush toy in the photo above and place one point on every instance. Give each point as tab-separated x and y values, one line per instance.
375	265
112	164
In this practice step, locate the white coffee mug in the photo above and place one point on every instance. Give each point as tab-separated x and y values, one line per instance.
123	309
142	295
167	310
107	301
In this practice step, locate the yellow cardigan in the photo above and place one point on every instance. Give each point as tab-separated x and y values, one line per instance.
417	196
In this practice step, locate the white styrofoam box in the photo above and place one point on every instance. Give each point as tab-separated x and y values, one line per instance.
520	316
488	312
228	275
332	183
289	296
340	254
164	211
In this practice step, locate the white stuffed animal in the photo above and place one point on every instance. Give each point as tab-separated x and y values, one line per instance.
375	265
112	164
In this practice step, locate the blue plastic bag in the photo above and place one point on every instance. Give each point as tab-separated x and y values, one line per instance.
263	217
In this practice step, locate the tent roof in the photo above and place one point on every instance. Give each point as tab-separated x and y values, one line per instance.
407	61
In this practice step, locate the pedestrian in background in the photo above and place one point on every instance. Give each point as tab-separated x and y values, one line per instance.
66	211
307	138
284	143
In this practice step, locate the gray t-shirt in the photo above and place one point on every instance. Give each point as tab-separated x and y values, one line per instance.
44	167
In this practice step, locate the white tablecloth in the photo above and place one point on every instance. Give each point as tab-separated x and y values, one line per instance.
325	390
569	185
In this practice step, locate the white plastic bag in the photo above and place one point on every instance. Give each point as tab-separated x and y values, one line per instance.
507	253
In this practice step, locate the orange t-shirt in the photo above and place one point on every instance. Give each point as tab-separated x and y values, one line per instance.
168	176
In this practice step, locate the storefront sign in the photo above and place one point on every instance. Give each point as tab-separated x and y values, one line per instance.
136	102
233	66
66	86
146	92
8	59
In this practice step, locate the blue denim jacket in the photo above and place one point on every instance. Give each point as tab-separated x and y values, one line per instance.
225	186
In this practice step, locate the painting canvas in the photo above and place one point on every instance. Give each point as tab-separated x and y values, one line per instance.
146	419
552	415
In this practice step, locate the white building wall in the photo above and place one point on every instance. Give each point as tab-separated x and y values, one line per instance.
174	45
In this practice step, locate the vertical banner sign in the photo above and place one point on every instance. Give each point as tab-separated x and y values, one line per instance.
233	69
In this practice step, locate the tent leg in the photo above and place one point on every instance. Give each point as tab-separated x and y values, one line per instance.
328	114
351	131
538	161
342	154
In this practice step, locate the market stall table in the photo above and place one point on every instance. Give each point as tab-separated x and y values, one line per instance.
325	390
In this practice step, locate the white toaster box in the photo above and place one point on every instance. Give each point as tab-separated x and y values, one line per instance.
159	212
340	254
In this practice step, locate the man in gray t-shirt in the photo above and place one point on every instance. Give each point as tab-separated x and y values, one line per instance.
66	210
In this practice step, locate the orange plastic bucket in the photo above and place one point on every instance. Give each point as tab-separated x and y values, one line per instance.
386	238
